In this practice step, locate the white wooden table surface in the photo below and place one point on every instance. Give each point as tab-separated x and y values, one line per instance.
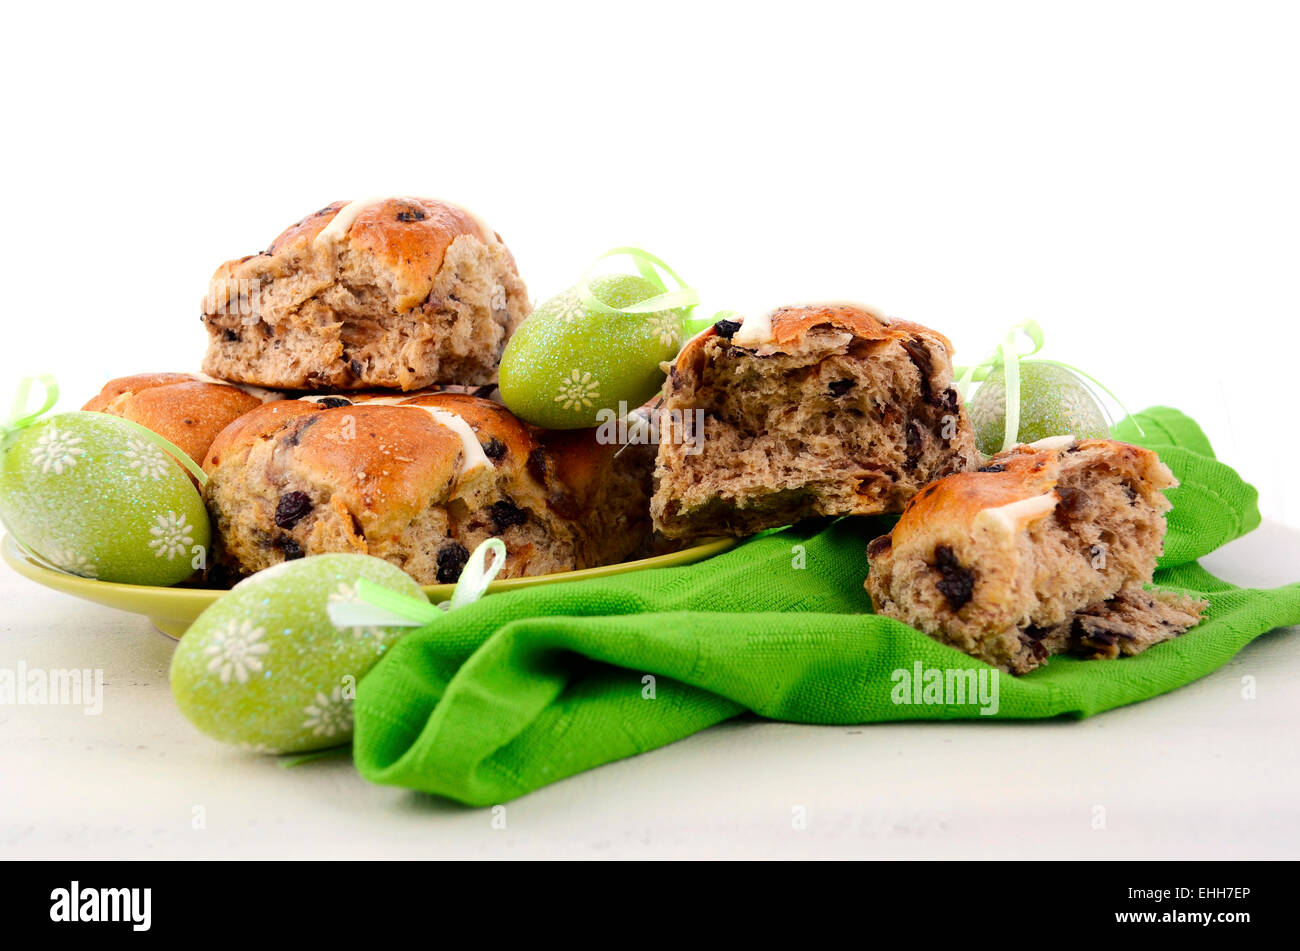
1200	772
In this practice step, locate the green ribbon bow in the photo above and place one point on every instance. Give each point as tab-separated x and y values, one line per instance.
653	269
650	267
20	417
1006	356
377	606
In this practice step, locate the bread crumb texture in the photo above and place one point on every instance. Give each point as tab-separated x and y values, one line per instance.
415	292
838	415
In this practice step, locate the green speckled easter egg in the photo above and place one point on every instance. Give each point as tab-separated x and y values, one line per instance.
91	495
565	363
1053	402
264	668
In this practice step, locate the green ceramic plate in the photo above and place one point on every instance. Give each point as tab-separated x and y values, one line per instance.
173	610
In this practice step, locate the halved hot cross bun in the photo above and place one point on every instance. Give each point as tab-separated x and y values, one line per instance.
818	410
1045	549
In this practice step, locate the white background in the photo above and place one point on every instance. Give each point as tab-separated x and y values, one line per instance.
1125	173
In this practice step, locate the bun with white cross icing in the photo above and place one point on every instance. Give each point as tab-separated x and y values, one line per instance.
420	482
1045	549
395	293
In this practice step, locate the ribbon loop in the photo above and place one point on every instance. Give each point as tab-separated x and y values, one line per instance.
19	416
979	372
478	574
1008	358
377	606
684	297
649	266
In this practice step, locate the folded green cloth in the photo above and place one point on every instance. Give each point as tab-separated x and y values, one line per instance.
527	687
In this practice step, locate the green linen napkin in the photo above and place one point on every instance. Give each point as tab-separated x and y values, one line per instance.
528	687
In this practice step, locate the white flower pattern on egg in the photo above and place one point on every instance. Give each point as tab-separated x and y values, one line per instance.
569	308
347	594
148	460
87	492
577	390
235	651
329	715
73	562
172	536
276	624
57	450
668	327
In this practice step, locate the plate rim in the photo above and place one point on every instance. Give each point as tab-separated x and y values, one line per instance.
31	566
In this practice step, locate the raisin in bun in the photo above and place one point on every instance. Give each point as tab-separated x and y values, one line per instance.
818	410
1046	549
393	293
420	483
186	409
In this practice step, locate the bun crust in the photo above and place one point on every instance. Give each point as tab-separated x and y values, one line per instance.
393	480
181	408
791	327
413	292
1018	474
